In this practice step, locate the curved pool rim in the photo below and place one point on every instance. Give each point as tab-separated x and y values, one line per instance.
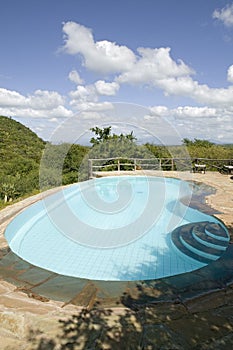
26	214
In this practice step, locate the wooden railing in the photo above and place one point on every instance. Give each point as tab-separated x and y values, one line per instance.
180	164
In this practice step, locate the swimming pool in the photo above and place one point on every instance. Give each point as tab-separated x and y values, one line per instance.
118	228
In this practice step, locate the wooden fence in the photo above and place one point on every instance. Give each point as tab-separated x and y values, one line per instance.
166	164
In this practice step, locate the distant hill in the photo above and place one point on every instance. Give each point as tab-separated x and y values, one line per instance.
20	154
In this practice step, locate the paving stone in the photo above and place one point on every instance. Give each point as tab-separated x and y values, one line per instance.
13	323
36	275
61	288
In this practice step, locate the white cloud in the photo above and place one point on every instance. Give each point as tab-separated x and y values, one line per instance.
81	92
199	122
152	66
42	103
214	97
194	112
75	77
10	98
83	95
201	93
159	110
96	107
230	74
86	97
108	89
191	113
43	99
101	56
58	112
156	68
225	15
183	86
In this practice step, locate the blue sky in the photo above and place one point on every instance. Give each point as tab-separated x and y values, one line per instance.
66	65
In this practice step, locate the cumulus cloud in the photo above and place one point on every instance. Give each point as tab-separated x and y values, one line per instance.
83	94
26	112
159	110
86	97
188	119
225	15
41	99
156	67
10	98
230	74
100	56
46	100
194	112
107	89
214	97
42	103
96	106
75	77
153	66
201	93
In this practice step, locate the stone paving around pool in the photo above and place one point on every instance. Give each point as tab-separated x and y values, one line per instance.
189	311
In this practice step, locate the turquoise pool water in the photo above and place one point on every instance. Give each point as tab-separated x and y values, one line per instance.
113	228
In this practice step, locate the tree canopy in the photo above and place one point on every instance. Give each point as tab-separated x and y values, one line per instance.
103	135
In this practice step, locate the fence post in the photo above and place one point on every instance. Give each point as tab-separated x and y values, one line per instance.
90	173
118	165
135	164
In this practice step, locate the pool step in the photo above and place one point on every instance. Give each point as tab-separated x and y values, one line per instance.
204	238
203	241
215	230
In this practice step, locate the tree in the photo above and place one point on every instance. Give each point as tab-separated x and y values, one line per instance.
103	135
8	188
198	143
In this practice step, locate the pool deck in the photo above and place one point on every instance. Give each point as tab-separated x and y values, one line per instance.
192	310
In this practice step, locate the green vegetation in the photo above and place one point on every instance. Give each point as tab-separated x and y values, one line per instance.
205	149
60	164
213	155
29	164
108	145
195	149
20	153
104	135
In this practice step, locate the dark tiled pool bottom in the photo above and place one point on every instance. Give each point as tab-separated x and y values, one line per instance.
44	285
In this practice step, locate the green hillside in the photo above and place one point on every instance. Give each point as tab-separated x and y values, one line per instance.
20	154
18	142
23	170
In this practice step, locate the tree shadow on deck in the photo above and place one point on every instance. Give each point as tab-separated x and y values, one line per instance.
171	322
162	326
